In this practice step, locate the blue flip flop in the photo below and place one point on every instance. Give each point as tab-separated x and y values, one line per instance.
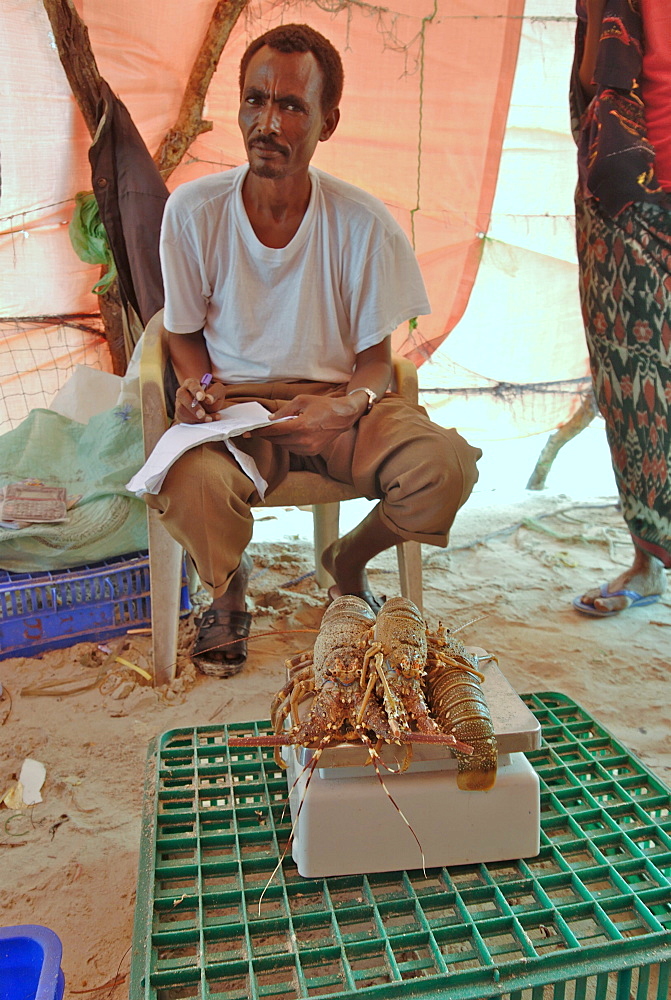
637	600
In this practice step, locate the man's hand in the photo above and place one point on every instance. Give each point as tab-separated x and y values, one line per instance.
197	405
318	420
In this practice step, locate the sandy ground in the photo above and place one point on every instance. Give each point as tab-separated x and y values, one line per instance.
70	862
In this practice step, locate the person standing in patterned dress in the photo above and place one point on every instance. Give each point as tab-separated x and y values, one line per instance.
621	120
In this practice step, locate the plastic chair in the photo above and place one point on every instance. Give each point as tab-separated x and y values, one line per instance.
298	489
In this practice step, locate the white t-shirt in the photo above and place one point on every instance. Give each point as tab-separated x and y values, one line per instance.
346	280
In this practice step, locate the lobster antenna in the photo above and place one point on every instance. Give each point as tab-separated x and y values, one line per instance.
399	811
259	635
459	628
310	766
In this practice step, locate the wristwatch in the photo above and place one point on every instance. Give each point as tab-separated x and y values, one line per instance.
372	396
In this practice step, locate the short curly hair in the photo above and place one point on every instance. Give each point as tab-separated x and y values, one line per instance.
302	38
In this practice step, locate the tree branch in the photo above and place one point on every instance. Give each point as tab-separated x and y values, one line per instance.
581	419
190	123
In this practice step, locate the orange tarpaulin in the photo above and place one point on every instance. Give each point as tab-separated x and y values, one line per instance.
426	96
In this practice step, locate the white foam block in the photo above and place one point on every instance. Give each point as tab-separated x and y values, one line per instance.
350	826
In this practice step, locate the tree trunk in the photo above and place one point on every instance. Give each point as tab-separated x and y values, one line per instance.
74	48
76	55
111	312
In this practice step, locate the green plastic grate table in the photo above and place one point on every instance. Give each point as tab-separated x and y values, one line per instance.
220	917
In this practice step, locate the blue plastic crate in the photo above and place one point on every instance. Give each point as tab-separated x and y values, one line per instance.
30	963
40	611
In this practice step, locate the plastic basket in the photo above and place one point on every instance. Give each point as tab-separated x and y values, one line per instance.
40	611
30	963
220	917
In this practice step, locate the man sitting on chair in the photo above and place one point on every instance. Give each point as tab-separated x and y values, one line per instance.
285	284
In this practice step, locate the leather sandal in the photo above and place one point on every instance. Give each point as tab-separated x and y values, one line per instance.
373	602
217	628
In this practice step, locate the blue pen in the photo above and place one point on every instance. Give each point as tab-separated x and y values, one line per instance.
204	382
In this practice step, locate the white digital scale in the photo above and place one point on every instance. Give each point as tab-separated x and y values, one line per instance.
347	824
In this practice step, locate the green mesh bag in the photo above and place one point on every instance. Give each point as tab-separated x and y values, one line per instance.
93	461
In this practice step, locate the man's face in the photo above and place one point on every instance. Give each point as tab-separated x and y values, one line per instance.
280	115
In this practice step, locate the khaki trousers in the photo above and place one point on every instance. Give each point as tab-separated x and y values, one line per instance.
420	472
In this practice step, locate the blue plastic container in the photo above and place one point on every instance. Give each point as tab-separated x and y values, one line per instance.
41	611
30	963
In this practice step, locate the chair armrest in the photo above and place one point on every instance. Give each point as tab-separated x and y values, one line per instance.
404	378
152	365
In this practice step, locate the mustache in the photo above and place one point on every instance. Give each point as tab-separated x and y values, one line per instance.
266	142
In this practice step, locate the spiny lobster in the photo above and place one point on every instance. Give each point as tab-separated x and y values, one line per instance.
458	705
367	679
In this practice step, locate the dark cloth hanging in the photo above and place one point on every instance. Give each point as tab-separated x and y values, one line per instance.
616	162
131	195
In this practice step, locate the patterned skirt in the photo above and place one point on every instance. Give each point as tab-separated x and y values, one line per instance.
625	292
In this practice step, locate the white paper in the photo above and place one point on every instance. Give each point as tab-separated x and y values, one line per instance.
248	466
234	420
32	776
